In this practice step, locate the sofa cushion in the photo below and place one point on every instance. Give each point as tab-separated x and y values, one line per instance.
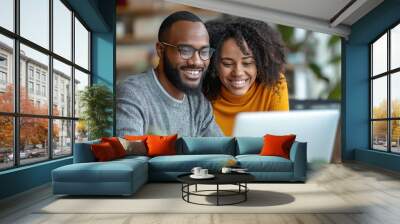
249	145
83	152
131	158
257	163
112	171
206	145
185	163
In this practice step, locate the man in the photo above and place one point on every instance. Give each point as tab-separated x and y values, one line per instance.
168	100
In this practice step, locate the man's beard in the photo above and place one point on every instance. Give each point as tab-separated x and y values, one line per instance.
173	76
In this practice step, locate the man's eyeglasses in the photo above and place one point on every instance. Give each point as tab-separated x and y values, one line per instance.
186	51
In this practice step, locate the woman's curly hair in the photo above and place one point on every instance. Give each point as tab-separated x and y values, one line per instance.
264	42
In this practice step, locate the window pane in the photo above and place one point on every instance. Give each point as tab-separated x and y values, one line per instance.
81	81
6	142
6	74
379	55
379	98
35	21
395	47
395	136
7	14
395	94
62	138
62	29
62	89
81	131
81	45
379	135
33	139
34	79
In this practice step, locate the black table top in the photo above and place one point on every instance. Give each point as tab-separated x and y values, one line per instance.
220	178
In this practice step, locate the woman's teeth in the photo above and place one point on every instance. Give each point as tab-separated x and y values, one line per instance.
238	83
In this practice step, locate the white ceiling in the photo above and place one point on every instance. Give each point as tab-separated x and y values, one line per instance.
316	15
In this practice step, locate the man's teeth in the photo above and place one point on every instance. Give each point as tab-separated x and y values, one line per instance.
238	83
193	73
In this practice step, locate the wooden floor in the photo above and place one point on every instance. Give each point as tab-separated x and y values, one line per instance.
379	189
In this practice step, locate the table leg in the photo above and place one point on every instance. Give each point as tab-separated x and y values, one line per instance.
217	194
188	190
196	188
245	193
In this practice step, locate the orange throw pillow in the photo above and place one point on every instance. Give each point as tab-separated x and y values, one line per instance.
161	145
103	152
277	145
116	145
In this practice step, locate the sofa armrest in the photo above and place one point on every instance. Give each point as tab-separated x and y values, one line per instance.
83	152
298	155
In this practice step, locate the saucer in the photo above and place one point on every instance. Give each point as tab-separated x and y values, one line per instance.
208	176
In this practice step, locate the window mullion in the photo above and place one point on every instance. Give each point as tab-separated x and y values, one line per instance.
389	106
16	84
73	82
50	81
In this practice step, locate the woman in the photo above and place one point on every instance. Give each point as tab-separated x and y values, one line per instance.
245	72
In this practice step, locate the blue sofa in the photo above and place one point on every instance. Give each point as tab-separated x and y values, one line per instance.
125	176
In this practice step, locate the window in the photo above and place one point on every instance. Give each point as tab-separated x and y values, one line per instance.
38	89
30	87
34	21
3	61
62	30
7	14
54	125
6	88
385	95
81	45
3	78
37	75
3	72
62	75
30	72
44	91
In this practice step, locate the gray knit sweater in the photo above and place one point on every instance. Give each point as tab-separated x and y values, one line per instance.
144	107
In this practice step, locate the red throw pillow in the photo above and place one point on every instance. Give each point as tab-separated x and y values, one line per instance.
103	151
116	145
277	145
161	145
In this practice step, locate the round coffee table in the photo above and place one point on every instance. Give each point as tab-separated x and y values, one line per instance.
238	179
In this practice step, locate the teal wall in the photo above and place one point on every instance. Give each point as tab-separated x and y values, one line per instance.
24	178
99	16
103	52
356	85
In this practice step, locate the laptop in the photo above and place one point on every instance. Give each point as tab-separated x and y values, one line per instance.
316	127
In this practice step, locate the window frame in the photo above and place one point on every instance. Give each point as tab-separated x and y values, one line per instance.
388	74
16	114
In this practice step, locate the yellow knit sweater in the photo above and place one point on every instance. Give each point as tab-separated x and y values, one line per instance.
258	98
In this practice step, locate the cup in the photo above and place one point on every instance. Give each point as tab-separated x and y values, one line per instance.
226	170
196	170
203	172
